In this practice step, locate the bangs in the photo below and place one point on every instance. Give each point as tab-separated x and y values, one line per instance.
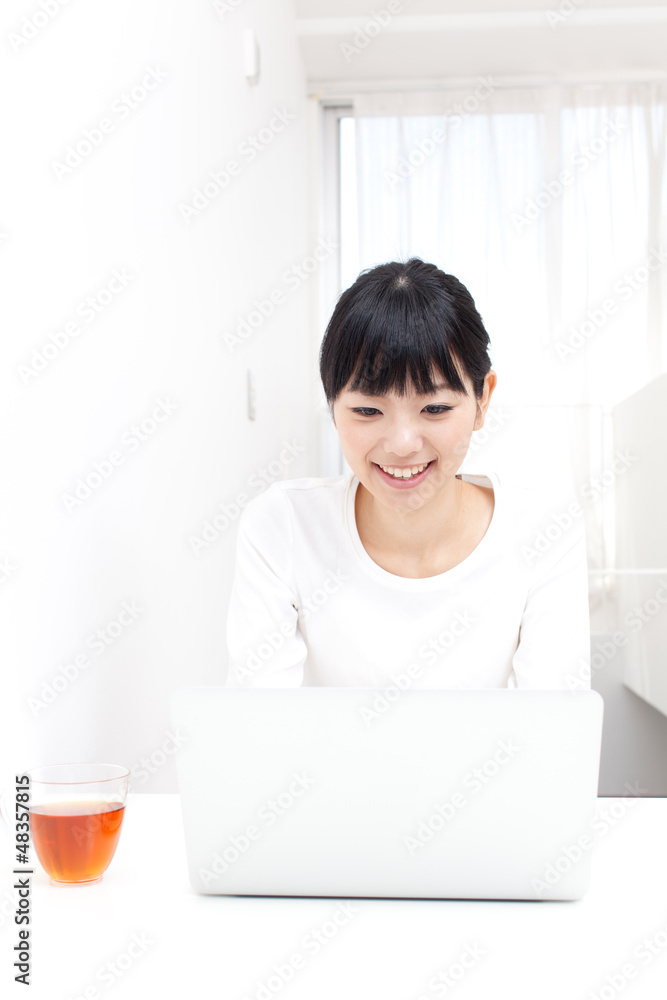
402	344
404	327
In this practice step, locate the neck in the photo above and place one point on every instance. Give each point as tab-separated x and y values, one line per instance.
410	532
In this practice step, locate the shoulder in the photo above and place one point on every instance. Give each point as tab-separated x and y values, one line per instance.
533	512
511	499
295	499
525	499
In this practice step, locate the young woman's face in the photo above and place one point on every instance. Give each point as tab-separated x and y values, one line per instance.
401	433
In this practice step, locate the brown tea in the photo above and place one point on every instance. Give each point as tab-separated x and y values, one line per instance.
75	841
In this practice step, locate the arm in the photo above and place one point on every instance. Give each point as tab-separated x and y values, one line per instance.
554	647
265	646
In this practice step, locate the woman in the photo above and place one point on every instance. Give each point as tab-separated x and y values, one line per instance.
403	572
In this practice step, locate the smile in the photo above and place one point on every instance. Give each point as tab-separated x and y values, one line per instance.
406	477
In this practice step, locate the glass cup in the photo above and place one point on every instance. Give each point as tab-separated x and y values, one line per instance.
76	814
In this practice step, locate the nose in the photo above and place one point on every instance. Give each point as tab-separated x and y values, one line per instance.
403	439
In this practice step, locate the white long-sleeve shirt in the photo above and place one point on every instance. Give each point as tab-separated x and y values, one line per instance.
310	607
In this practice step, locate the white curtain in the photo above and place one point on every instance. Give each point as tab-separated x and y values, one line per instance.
549	205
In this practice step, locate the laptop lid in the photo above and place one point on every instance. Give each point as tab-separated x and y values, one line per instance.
484	794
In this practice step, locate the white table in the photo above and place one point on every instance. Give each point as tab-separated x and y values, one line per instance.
168	941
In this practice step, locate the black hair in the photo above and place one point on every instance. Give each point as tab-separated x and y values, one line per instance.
402	322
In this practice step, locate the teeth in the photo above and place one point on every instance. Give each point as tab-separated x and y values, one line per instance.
403	473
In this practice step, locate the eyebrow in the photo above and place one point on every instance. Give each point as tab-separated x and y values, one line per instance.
438	388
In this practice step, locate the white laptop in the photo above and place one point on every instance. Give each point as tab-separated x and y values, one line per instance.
335	791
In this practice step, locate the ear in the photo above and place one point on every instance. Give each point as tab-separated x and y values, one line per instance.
483	403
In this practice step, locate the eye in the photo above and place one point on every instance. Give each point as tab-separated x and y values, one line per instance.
434	409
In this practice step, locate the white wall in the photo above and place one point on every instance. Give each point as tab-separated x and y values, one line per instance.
68	572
